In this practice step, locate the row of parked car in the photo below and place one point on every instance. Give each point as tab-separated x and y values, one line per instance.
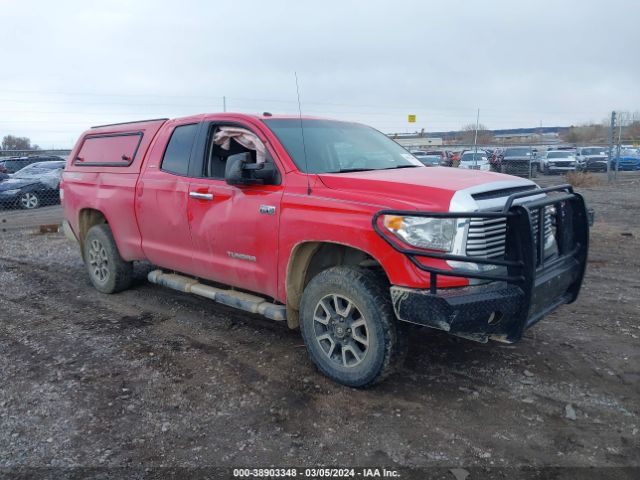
30	182
518	160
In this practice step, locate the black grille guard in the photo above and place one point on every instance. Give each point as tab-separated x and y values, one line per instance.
524	257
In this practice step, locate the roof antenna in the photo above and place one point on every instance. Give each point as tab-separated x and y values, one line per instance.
304	146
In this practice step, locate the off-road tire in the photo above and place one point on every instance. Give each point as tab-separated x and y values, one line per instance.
99	244
368	290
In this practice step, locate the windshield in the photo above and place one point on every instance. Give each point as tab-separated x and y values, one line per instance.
629	153
593	151
429	159
559	154
469	157
517	152
36	170
334	147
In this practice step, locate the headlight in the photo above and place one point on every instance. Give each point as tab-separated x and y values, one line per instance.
11	192
423	232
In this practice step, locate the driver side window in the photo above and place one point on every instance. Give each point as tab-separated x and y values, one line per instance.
224	141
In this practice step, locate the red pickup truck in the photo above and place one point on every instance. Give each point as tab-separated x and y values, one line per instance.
330	226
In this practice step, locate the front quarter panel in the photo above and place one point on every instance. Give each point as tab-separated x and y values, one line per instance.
325	216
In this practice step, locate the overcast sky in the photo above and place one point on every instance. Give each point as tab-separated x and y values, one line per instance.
67	65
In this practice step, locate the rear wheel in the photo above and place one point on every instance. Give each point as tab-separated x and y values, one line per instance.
29	200
108	272
348	326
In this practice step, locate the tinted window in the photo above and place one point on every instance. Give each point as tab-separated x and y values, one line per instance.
593	151
517	152
559	154
471	157
176	156
116	150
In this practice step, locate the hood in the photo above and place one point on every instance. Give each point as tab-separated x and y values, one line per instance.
418	188
13	183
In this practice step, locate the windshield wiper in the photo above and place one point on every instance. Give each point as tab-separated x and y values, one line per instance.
347	170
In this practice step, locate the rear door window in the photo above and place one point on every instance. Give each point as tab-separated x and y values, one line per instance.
176	156
112	150
15	164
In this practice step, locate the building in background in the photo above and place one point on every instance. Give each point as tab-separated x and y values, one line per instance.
416	141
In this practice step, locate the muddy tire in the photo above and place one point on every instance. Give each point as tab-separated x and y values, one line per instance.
349	327
108	272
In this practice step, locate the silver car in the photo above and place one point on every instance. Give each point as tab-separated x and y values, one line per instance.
558	161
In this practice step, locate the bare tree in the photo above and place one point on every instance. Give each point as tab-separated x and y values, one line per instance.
11	142
582	134
468	134
632	132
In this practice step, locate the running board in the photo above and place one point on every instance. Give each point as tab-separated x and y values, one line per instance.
231	298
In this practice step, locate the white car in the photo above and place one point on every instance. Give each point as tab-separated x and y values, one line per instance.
557	161
475	160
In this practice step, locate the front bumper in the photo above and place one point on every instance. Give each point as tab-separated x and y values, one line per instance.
485	167
562	168
626	166
593	167
9	200
493	311
525	285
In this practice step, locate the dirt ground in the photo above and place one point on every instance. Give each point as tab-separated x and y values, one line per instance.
151	377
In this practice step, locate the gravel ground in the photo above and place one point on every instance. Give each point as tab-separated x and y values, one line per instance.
151	377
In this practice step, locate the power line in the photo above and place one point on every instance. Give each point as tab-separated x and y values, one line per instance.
220	100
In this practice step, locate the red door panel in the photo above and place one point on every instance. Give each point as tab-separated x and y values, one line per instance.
161	208
233	242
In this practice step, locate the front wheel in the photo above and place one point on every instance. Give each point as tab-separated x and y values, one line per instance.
348	326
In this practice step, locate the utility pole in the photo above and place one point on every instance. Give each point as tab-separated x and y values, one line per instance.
475	140
612	130
224	104
621	120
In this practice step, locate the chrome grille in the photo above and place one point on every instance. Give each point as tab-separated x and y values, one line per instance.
548	226
486	237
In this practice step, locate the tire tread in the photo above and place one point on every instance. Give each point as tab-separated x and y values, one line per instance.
122	277
376	285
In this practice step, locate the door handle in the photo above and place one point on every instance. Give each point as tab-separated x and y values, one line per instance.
201	196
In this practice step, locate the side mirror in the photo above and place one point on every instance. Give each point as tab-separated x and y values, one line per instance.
242	170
